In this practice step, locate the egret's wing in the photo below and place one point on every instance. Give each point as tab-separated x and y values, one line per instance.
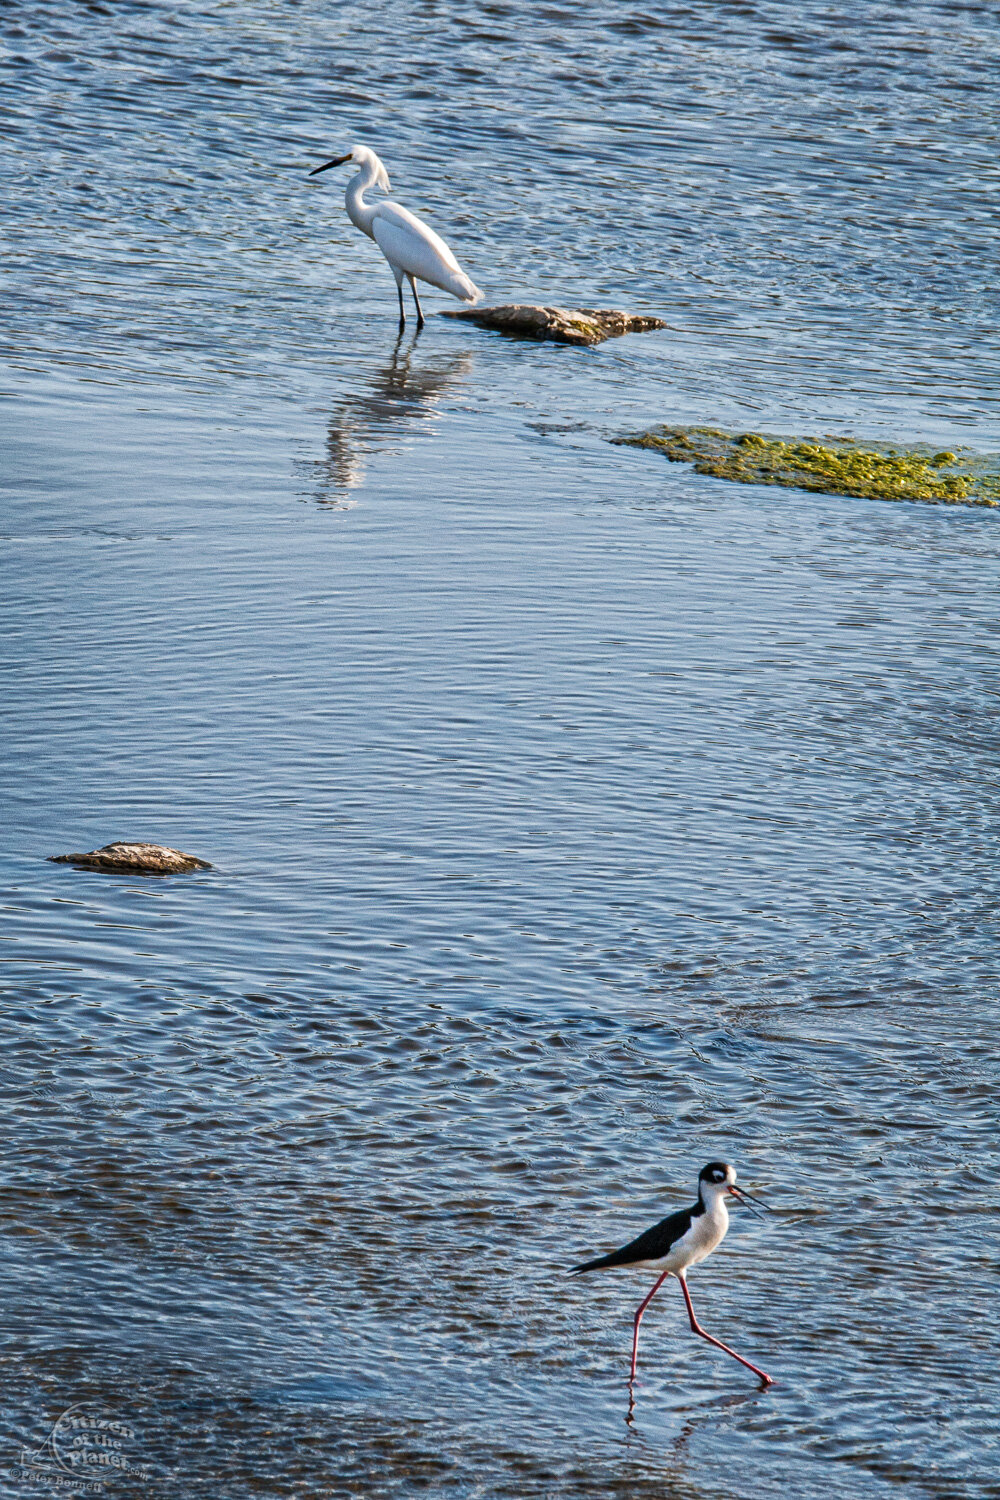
410	244
415	240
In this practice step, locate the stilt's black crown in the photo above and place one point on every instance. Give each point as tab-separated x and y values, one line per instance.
716	1171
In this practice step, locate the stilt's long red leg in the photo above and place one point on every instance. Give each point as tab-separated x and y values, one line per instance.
638	1319
697	1328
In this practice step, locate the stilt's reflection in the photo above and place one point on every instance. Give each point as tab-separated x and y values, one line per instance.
403	395
711	1413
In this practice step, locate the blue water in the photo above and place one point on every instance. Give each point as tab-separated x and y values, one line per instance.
574	818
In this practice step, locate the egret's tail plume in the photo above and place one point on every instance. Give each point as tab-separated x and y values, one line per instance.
469	291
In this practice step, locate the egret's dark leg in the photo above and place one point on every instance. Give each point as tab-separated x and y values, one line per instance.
420	316
402	310
697	1328
638	1319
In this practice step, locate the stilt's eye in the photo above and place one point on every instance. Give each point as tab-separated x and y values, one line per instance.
718	1176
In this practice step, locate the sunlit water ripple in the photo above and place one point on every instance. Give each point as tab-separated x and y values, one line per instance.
574	818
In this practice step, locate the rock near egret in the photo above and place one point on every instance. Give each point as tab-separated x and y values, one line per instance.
126	858
836	466
560	325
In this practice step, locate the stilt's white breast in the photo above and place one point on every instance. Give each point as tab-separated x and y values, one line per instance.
707	1231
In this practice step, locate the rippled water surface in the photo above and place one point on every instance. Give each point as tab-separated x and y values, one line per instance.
574	818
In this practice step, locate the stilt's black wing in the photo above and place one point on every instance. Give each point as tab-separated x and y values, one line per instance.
652	1245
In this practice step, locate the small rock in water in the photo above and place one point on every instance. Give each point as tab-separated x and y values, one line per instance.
563	325
134	859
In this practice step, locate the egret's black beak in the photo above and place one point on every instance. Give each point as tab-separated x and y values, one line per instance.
748	1200
337	161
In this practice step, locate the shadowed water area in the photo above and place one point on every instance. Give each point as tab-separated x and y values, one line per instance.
574	818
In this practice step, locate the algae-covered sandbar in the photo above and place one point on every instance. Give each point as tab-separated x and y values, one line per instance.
835	466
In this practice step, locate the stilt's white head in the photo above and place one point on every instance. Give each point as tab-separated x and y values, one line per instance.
718	1179
366	159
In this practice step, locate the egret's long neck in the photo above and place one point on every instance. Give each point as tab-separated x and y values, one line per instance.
361	213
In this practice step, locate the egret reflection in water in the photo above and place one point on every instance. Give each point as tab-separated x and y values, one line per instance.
403	395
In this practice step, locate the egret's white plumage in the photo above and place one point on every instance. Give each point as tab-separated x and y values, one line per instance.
409	245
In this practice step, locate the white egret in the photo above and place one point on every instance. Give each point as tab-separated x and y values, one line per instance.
409	245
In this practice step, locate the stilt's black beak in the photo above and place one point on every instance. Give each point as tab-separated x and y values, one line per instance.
748	1200
337	161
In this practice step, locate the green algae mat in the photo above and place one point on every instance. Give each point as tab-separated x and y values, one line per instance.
837	466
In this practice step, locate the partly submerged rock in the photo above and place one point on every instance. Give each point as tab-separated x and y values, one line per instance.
134	859
562	325
837	466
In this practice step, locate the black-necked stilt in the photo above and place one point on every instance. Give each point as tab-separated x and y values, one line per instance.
679	1241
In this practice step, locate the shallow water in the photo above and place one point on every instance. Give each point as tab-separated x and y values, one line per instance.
575	818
